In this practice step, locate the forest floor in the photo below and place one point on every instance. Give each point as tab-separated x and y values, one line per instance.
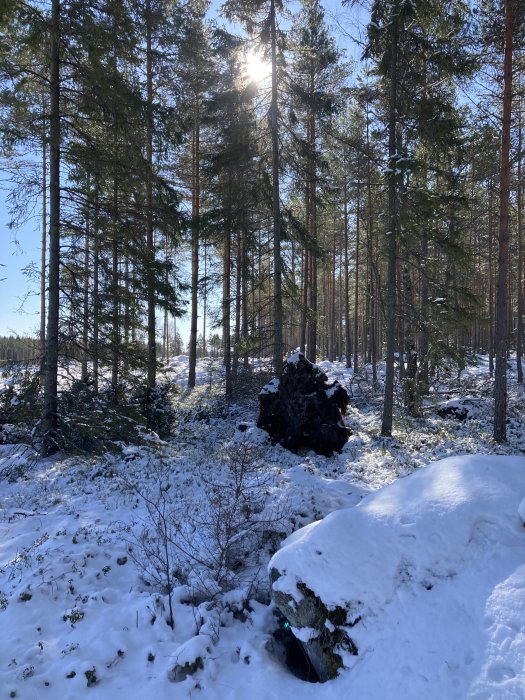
84	609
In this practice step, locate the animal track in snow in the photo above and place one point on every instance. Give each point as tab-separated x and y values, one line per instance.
500	673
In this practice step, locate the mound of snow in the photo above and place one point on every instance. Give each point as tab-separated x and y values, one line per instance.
430	571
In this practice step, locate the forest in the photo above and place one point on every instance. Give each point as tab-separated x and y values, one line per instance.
227	195
365	209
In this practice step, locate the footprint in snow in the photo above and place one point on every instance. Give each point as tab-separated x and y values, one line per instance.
499	673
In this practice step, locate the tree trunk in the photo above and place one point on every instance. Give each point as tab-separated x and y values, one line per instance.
371	262
388	407
226	311
195	216
96	296
115	282
150	243
85	309
356	289
276	208
501	334
491	280
43	249
519	290
237	329
49	416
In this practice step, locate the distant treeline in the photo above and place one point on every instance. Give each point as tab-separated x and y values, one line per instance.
14	348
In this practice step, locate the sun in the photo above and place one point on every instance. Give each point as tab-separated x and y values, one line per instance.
256	68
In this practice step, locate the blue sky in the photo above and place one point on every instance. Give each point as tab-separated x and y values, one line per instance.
19	296
18	249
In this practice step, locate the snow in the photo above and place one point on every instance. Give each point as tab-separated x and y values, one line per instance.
73	599
472	405
271	388
432	565
521	511
295	358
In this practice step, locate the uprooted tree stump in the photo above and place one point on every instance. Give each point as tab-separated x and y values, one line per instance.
302	409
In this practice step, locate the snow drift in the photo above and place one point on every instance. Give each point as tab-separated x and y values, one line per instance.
433	562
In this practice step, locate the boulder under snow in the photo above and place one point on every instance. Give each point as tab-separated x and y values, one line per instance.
433	562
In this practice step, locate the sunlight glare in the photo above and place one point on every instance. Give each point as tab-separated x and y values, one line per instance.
257	68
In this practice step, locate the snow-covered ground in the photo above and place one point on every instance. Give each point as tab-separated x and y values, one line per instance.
84	610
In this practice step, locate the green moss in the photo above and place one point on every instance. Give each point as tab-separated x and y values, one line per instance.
310	611
91	676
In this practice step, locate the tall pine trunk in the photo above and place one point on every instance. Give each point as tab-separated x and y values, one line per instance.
49	416
356	288
195	215
502	331
85	304
348	338
96	291
276	207
150	243
519	290
43	246
388	407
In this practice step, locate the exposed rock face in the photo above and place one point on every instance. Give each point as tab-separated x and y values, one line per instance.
322	631
303	409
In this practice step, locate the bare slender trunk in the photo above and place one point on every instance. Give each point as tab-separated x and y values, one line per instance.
204	298
195	216
237	329
348	339
491	280
226	311
519	291
49	415
388	407
115	283
96	297
150	243
85	309
356	289
304	300
501	331
43	246
371	262
276	209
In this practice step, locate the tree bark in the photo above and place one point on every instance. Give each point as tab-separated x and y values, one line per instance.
49	416
519	290
195	216
150	243
85	309
501	331
388	407
43	253
356	288
96	294
276	206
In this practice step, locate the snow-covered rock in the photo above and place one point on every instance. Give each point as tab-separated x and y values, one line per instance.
464	408
425	549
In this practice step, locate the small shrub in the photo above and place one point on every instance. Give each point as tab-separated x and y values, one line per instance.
157	406
20	398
